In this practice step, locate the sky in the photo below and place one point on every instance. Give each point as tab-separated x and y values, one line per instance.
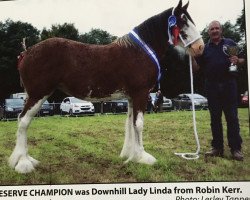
117	17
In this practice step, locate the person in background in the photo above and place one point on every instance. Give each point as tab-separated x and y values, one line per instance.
149	104
221	90
158	101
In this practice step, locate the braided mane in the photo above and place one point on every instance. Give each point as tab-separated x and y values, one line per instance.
153	31
125	41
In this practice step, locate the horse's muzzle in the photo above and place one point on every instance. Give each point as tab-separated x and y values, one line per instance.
196	49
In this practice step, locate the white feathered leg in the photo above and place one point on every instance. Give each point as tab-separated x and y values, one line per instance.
19	159
133	144
140	155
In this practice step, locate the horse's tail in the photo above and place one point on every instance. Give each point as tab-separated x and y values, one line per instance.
20	58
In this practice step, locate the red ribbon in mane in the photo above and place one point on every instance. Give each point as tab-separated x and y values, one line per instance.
175	33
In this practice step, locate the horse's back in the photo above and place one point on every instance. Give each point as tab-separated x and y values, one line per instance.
69	65
45	63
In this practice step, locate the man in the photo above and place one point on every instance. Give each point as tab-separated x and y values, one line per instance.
221	88
149	104
158	101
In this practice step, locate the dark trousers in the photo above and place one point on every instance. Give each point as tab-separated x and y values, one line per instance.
222	97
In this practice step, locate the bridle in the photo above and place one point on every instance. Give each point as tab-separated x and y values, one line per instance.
174	31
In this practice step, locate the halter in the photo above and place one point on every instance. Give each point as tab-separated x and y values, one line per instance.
174	32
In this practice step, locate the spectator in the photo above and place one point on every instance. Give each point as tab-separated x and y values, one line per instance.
158	101
149	104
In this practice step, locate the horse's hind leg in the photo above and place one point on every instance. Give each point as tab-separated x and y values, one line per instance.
126	150
19	159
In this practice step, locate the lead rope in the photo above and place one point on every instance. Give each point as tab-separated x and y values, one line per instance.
192	156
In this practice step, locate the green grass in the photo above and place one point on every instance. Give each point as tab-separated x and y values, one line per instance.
86	150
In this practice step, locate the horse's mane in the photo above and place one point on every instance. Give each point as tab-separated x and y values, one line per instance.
125	41
151	31
155	28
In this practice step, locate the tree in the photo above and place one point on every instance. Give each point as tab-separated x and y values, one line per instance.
12	34
241	29
241	24
65	30
97	36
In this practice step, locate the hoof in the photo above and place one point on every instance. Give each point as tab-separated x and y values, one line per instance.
23	164
146	158
33	161
143	157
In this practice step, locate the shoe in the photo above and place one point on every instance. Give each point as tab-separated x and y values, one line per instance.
237	155
215	152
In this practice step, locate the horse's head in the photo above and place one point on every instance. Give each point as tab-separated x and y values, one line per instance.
183	32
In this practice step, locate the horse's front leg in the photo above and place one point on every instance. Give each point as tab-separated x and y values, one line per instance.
134	143
140	155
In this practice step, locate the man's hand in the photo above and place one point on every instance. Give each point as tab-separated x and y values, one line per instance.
236	61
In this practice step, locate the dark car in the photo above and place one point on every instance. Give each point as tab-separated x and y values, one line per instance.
46	109
119	106
1	112
245	99
12	108
183	102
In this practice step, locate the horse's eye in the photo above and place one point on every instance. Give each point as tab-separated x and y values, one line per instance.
184	19
183	34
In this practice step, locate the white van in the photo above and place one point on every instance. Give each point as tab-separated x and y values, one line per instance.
22	95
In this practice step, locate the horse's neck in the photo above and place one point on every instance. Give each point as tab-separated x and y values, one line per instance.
154	32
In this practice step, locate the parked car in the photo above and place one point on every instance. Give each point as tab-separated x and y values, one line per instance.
183	102
46	109
11	108
167	103
74	106
118	106
21	95
1	112
245	99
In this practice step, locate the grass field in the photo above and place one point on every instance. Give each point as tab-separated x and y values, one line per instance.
86	150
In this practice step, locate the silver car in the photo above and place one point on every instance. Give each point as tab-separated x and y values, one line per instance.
183	102
167	104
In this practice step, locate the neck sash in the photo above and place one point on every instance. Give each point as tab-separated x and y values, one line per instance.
136	38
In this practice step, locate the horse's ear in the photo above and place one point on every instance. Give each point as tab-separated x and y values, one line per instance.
178	8
179	5
185	6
